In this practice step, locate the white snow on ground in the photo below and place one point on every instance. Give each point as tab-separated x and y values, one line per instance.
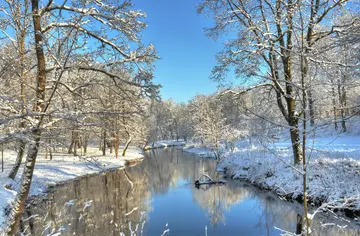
333	171
62	167
165	143
198	150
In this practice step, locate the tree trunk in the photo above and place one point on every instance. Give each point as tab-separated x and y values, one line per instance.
296	145
22	144
311	108
70	147
85	143
217	153
290	115
304	70
293	121
177	130
104	143
116	145
334	104
72	142
126	146
23	192
26	178
76	142
342	102
18	160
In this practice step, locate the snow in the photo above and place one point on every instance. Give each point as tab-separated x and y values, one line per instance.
63	167
199	149
165	143
333	172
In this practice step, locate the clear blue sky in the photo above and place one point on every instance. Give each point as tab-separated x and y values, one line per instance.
187	55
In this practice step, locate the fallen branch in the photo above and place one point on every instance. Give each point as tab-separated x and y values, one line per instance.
205	179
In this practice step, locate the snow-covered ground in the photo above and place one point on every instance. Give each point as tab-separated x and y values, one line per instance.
333	170
165	143
199	150
62	167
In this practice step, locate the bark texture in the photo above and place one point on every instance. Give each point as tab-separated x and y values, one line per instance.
26	178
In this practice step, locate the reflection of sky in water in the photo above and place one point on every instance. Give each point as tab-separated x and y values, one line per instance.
185	217
157	195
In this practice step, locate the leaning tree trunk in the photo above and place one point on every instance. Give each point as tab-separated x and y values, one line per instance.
126	146
23	192
18	160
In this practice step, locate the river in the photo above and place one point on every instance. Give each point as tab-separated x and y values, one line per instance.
157	197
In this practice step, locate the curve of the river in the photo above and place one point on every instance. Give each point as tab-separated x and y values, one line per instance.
157	197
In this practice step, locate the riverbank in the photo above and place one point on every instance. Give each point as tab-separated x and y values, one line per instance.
61	168
333	169
199	150
165	144
65	167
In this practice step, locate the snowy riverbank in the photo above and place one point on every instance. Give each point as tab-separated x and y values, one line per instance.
165	143
61	168
333	170
65	167
199	150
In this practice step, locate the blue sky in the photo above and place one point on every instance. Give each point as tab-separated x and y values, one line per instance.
187	55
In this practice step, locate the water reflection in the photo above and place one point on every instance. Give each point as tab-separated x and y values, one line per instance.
156	197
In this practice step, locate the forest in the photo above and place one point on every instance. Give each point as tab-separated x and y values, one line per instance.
78	91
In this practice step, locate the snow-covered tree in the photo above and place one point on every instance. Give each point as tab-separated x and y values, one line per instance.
100	37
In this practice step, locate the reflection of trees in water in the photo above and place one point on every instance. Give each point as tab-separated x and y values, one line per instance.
121	199
98	205
113	196
284	215
215	200
337	226
164	168
275	212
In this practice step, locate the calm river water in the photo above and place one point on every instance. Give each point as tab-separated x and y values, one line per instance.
157	197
